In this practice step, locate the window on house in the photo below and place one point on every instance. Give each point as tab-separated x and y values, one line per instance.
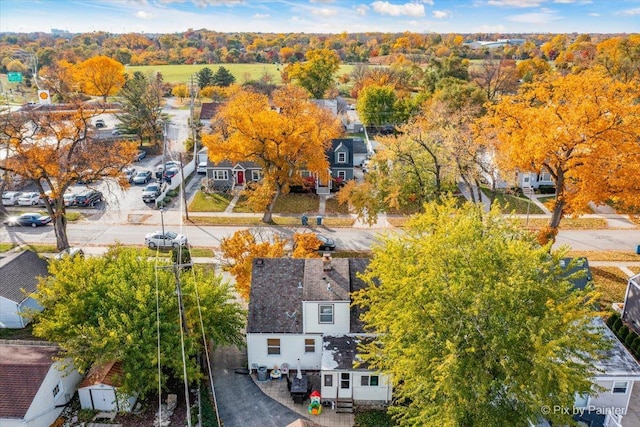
309	345
581	401
369	380
328	380
544	176
273	346
342	157
326	313
220	175
345	380
620	387
255	175
342	174
57	390
305	174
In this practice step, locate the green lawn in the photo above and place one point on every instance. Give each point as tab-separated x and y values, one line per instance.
611	284
292	203
182	73
204	202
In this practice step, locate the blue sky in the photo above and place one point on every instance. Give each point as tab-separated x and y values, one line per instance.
323	16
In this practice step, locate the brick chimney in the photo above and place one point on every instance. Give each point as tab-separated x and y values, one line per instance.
326	262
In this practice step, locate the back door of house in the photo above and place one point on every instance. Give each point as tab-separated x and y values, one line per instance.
344	391
103	400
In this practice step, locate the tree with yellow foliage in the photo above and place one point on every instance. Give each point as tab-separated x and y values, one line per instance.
316	73
100	76
582	129
283	135
55	149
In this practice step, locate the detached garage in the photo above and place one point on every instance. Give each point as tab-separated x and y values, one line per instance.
99	390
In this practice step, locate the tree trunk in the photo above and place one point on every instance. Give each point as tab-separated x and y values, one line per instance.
268	217
558	206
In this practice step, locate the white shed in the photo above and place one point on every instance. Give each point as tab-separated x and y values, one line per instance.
99	390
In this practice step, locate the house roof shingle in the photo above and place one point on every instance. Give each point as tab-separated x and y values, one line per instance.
280	285
22	370
107	374
208	110
20	271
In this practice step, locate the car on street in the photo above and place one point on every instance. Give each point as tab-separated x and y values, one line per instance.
141	154
87	198
28	219
151	192
168	239
68	198
142	177
326	243
29	199
100	124
202	168
129	173
10	198
170	172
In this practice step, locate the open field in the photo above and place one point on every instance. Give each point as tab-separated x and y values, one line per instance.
242	72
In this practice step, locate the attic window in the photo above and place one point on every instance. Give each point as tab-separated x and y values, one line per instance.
342	157
620	387
326	313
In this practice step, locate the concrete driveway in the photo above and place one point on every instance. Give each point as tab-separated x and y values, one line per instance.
240	402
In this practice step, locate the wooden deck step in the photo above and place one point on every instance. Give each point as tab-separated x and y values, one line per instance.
344	406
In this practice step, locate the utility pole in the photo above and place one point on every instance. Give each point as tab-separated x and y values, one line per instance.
183	190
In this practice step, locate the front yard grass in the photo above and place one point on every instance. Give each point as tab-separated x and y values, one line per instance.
209	202
292	203
512	204
333	207
611	284
567	223
277	220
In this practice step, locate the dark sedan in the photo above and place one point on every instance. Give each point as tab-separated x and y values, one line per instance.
28	219
326	244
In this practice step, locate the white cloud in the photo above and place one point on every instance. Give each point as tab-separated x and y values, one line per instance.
631	12
325	13
143	15
429	2
321	1
409	9
261	16
490	29
533	18
362	9
516	3
594	14
440	14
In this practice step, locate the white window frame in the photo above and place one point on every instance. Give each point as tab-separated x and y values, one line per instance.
581	401
255	175
342	157
365	381
305	174
59	389
544	176
309	345
342	174
618	385
273	349
321	314
217	173
328	380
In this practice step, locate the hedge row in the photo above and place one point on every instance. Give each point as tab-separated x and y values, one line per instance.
627	336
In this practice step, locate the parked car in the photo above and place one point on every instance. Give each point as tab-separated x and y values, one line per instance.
141	154
87	177
170	172
142	177
87	198
129	173
28	199
326	244
47	196
28	219
100	124
10	198
168	165
69	198
151	192
70	252
168	239
202	168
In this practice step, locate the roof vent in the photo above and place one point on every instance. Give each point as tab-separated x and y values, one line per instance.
299	285
326	262
259	262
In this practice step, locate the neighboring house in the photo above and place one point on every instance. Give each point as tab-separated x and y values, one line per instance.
631	308
33	389
328	104
99	390
534	180
300	314
19	274
207	111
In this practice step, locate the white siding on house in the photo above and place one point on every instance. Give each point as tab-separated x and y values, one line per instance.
9	317
381	392
292	348
311	318
607	399
102	397
43	411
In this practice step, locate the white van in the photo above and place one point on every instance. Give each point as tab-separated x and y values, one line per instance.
10	198
202	168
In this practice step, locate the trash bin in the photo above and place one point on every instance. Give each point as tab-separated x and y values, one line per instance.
263	375
319	220
638	249
305	220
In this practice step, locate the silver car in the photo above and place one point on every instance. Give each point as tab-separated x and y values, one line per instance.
168	239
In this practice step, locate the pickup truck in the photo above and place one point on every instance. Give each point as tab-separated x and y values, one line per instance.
151	192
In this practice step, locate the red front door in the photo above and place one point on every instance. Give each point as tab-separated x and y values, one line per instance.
240	177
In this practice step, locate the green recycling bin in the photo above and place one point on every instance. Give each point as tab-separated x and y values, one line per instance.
319	220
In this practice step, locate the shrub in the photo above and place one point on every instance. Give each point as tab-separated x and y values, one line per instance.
612	319
635	345
172	193
630	338
616	326
547	189
623	332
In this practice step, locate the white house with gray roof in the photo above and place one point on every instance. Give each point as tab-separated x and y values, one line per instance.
300	313
19	274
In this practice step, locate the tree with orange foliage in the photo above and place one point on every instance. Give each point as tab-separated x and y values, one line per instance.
305	245
583	129
241	248
55	149
60	79
283	135
100	76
